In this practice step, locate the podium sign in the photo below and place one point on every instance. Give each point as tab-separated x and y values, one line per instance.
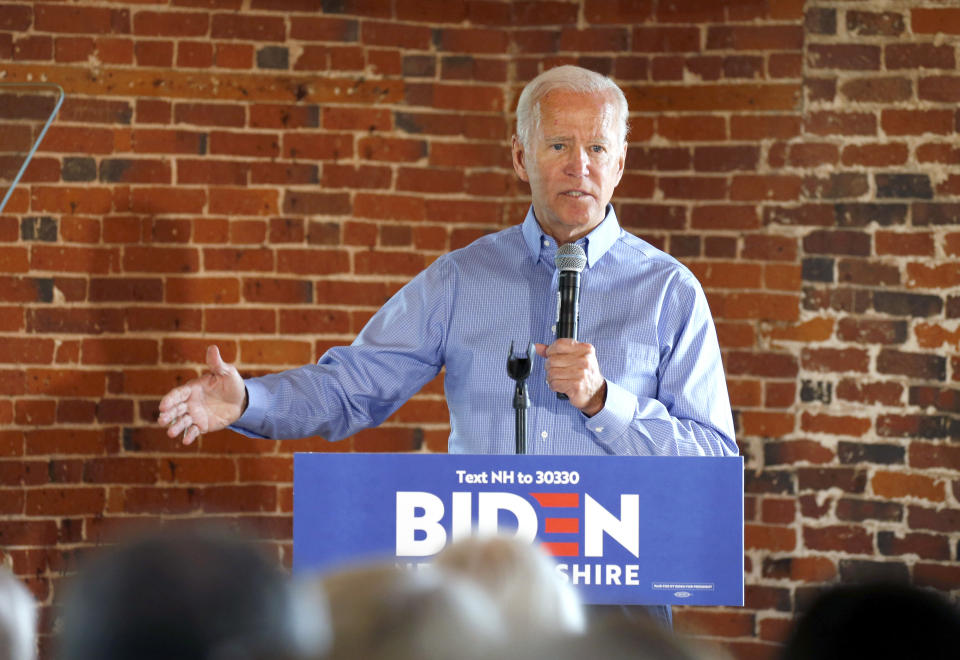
623	529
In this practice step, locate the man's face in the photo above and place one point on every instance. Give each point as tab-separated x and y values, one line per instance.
573	162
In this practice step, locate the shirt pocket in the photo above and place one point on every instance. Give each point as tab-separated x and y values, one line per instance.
634	368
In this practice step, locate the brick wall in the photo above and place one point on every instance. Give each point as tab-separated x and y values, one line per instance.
263	174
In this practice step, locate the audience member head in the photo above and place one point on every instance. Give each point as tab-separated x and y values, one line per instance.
190	595
570	78
382	612
521	579
874	621
18	619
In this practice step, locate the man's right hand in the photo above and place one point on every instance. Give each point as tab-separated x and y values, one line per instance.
209	403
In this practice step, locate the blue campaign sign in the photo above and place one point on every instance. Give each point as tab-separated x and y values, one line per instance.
623	529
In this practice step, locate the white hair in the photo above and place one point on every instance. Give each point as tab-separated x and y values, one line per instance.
572	78
18	619
522	580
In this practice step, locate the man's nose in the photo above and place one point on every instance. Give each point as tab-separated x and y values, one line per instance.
578	163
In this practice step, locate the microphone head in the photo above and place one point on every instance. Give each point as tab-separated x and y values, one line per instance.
570	257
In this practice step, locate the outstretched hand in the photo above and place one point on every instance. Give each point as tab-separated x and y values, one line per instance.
208	403
572	369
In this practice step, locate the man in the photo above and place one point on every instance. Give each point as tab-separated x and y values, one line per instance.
646	379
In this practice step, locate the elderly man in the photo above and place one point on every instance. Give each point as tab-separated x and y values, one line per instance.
646	379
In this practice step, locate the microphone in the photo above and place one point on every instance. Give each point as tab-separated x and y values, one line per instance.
570	261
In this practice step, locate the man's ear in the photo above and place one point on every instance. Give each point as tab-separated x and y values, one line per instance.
519	160
622	163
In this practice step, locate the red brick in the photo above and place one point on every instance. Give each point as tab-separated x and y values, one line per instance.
248	27
796	451
933	21
759	37
192	54
765	188
875	155
395	35
944	577
715	623
769	537
901	485
917	122
274	352
172	24
692	128
766	424
309	28
835	359
835	424
812	154
33	48
844	57
81	20
65	440
919	56
312	261
153	53
841	123
878	90
841	538
923	455
234	56
318	146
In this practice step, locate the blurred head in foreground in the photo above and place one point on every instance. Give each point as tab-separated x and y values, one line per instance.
189	595
522	581
878	621
382	612
18	619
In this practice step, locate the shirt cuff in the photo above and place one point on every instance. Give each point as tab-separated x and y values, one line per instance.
614	418
253	419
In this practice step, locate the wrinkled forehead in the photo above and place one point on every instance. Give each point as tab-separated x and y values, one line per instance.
565	113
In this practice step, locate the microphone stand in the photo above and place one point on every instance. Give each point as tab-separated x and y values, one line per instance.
518	367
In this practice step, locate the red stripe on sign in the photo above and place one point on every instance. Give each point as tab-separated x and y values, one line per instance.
561	525
563	549
565	500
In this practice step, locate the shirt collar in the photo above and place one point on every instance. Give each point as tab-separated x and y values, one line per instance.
596	243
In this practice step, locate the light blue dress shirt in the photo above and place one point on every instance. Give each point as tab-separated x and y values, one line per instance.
643	311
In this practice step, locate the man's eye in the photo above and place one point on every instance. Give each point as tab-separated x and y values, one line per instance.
556	147
597	149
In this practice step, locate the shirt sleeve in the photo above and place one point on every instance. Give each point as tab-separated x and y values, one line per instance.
690	415
358	386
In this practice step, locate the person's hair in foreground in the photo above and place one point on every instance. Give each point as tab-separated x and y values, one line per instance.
385	612
18	619
522	581
882	620
570	78
190	595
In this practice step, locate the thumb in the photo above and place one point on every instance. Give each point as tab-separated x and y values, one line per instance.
541	349
214	361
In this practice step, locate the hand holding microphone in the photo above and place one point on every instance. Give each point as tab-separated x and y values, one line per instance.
572	368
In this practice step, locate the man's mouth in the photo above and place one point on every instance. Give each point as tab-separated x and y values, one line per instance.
576	193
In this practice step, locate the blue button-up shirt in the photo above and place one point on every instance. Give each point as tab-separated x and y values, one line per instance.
643	311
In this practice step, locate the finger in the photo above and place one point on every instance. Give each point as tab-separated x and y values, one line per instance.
180	425
541	349
171	413
174	397
191	434
214	361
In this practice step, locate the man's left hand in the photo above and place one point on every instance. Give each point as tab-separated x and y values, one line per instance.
572	369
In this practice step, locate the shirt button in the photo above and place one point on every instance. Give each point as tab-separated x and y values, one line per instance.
546	243
543	434
553	329
599	429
